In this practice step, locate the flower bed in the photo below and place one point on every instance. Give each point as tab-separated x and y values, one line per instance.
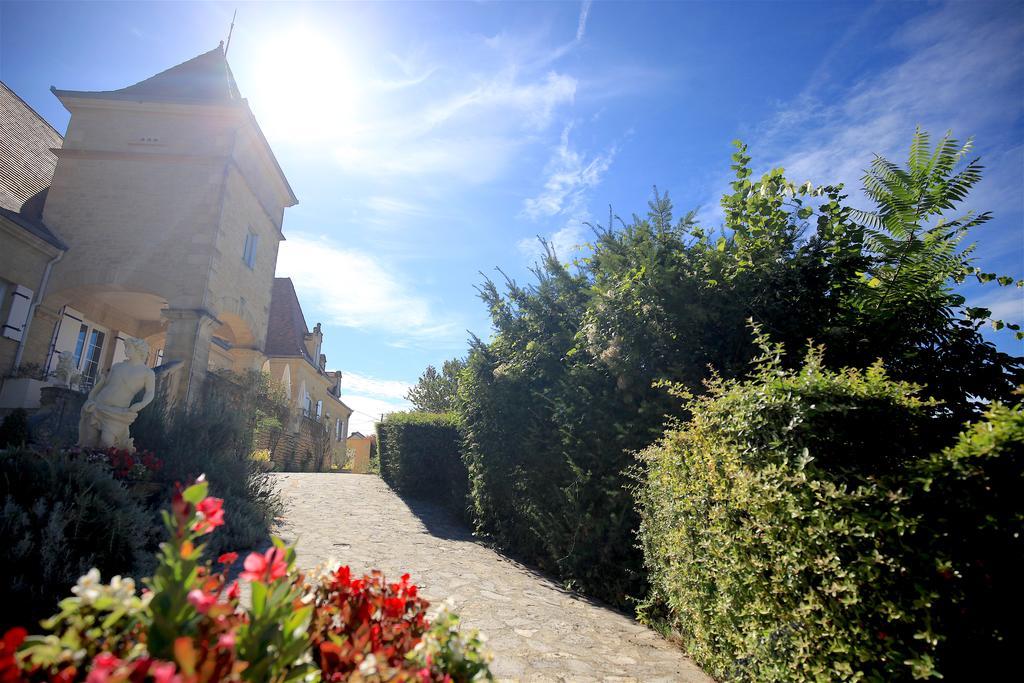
188	624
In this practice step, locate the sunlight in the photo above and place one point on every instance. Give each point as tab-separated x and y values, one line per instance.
307	90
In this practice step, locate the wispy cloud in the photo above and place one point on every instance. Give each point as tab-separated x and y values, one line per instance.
581	28
355	290
469	135
959	62
570	176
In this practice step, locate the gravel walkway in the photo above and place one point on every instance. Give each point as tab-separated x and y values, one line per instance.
537	631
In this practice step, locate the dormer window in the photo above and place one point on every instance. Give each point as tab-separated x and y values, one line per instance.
249	253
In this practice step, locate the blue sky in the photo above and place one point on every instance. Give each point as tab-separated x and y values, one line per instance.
429	142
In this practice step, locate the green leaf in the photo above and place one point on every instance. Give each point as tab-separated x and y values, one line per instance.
195	493
259	598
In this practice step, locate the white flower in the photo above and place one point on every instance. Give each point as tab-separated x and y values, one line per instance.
368	667
88	587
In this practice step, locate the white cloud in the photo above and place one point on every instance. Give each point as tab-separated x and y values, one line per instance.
366	410
570	177
380	388
352	289
369	397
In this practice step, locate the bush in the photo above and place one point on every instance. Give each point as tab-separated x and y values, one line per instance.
789	533
215	437
14	429
968	498
421	457
59	516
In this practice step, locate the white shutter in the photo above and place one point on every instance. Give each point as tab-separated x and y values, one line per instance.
21	303
119	353
66	336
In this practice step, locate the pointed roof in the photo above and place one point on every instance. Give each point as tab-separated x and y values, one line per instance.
206	79
286	328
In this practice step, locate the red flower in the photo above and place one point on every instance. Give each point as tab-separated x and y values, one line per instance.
211	515
103	666
270	566
228	558
343	576
201	601
233	591
10	672
394	607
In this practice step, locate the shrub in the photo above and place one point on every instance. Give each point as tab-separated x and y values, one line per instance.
14	429
191	626
421	456
968	498
59	516
216	436
786	536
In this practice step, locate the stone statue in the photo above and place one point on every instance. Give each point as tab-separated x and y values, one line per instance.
65	370
109	411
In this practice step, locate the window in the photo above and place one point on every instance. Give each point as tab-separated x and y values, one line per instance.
83	342
337	429
249	253
319	409
93	352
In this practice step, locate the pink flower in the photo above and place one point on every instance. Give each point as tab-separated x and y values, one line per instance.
211	515
270	566
165	673
227	640
201	601
103	666
233	591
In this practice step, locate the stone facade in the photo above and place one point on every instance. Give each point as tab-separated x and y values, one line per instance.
295	362
168	203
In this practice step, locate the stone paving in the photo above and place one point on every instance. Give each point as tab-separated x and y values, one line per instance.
537	631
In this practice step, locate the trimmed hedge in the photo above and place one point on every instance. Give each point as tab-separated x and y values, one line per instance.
421	457
778	554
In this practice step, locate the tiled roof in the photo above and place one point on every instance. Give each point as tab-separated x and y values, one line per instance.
26	164
206	79
286	328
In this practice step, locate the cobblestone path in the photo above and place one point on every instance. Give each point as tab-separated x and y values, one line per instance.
537	631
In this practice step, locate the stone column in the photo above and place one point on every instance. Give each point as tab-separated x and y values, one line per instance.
188	340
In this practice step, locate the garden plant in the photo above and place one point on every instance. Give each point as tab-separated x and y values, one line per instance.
189	625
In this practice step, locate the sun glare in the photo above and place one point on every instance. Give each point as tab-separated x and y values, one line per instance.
307	89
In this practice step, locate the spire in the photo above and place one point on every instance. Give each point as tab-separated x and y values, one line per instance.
206	79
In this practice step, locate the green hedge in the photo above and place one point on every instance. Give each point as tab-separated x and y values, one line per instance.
421	457
796	529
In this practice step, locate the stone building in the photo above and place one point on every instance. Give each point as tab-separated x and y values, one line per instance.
296	363
158	215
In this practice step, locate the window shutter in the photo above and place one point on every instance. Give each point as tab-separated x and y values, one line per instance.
66	336
21	303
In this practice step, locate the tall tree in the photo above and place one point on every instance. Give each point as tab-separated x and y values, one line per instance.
435	391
